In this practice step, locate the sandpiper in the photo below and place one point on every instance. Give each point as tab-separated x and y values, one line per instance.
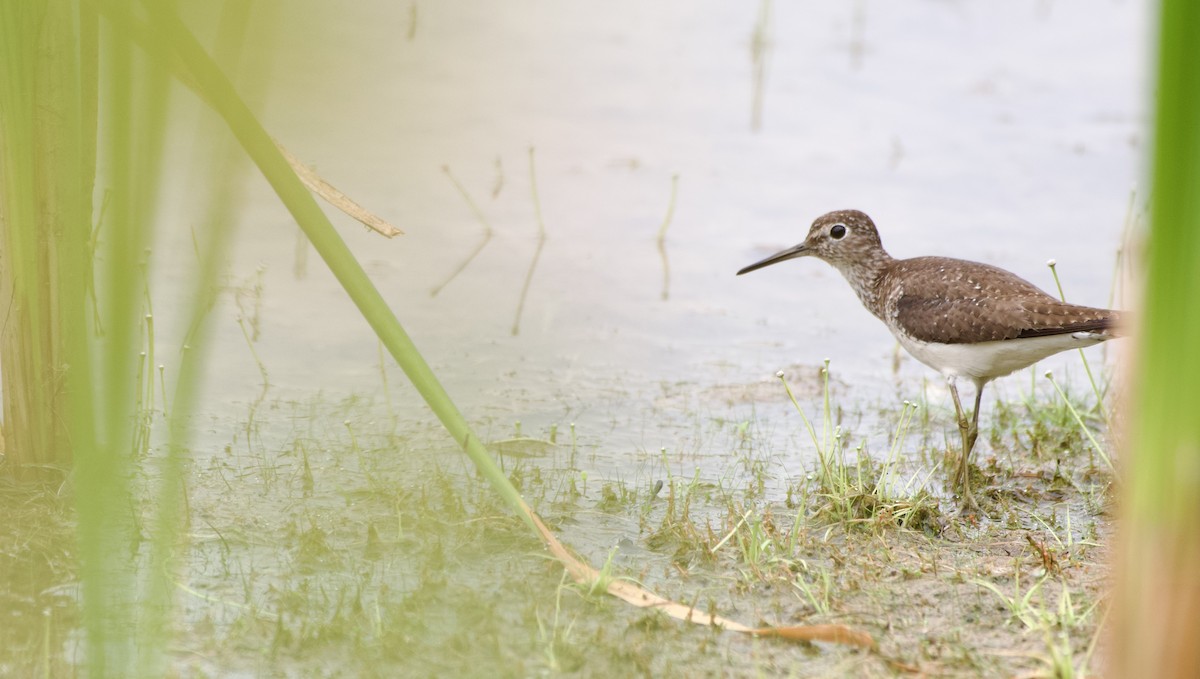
961	318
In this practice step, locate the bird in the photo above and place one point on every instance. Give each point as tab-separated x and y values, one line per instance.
964	319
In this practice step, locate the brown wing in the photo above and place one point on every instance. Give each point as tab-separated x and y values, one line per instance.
953	301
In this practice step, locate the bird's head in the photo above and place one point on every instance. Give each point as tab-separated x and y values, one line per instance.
840	238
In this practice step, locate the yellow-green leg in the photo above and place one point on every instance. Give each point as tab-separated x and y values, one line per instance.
969	430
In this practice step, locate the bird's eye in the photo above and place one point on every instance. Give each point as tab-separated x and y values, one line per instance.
837	231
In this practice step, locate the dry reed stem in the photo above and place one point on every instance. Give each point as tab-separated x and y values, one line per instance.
633	594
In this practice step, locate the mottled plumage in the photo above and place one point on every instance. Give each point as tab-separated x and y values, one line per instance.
953	301
961	318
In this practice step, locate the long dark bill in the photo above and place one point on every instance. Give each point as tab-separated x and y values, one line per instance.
790	253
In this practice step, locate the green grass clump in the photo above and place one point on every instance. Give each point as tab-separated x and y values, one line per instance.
864	491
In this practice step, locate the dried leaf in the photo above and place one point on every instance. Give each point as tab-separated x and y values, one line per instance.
330	194
642	598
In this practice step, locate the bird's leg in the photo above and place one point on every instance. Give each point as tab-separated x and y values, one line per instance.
974	434
969	430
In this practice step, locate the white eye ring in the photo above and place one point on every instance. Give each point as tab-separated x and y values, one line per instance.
838	231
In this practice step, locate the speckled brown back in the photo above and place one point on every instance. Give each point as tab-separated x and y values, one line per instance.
953	301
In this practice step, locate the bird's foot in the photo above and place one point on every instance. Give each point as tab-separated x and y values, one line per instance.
967	505
962	484
962	477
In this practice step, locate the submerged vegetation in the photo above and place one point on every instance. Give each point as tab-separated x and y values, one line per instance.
341	543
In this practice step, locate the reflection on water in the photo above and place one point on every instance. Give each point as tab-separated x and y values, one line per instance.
858	31
760	49
487	228
662	238
537	252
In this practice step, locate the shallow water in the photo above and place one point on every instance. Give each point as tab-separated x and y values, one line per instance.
1008	135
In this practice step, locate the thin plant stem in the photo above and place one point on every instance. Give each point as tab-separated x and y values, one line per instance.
487	233
1086	366
1079	420
760	48
811	431
537	253
662	236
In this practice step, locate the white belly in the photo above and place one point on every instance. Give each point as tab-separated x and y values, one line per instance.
985	361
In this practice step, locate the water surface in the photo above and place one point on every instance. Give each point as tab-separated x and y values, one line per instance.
1007	134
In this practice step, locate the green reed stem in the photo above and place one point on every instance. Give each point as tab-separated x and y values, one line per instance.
329	244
